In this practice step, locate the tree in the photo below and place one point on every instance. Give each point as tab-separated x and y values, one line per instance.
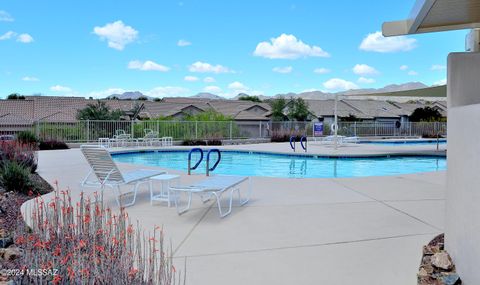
142	98
15	96
426	114
351	118
250	98
208	116
298	110
98	111
278	105
157	99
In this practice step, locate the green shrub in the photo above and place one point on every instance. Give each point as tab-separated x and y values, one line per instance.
22	154
52	144
193	142
15	177
214	142
26	137
284	136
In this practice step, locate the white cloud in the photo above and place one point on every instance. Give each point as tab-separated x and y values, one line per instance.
438	67
204	67
8	35
30	78
190	78
183	43
166	91
117	34
237	86
440	82
24	38
378	43
212	89
286	69
365	80
209	79
5	17
321	70
287	47
404	67
60	88
363	69
412	73
338	84
147	66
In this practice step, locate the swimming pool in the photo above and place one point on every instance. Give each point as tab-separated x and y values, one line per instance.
292	166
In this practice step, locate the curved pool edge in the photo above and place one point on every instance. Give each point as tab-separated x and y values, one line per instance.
387	154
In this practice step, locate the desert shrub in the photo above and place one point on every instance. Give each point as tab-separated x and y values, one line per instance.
90	244
214	142
15	177
26	137
52	144
189	142
284	136
22	154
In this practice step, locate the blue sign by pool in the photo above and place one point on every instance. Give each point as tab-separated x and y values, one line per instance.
317	129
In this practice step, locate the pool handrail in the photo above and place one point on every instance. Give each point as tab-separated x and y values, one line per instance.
293	139
304	146
219	157
190	159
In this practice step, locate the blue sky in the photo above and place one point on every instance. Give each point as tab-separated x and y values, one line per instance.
180	48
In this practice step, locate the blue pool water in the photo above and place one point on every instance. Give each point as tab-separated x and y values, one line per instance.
276	165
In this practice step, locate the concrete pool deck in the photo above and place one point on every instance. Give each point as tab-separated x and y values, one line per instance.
294	231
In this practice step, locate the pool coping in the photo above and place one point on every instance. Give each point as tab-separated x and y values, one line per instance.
296	154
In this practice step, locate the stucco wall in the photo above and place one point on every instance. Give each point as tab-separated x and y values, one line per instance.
462	232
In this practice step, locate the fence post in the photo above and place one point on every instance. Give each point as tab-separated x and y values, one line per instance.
196	130
88	131
37	129
231	127
260	129
132	128
375	123
354	129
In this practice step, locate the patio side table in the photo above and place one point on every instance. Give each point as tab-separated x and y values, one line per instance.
164	195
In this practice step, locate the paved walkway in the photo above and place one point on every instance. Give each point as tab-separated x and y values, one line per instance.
294	231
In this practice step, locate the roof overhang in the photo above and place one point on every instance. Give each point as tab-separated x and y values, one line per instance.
436	16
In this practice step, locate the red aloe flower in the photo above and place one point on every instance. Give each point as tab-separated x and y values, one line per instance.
57	279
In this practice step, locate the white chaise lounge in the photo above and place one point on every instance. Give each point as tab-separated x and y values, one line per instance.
107	173
214	186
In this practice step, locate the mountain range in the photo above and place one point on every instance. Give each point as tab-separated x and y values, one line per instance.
316	94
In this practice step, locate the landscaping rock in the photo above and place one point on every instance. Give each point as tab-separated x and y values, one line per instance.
442	260
449	279
11	253
436	266
5	242
428	268
431	249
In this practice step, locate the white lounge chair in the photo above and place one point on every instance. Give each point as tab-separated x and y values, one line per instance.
214	186
108	174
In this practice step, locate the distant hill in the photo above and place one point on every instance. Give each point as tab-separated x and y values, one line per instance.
388	88
409	89
319	95
131	95
205	95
